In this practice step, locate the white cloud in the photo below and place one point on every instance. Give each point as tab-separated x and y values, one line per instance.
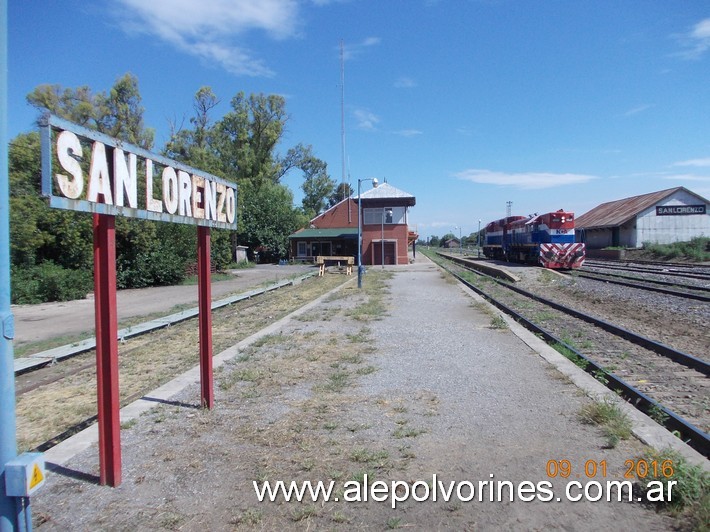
366	119
694	162
529	180
352	50
687	177
208	29
408	132
696	41
405	83
638	109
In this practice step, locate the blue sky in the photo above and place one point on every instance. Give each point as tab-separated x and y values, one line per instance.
467	104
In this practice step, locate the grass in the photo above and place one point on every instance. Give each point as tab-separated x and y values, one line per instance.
571	355
607	414
497	322
691	494
148	361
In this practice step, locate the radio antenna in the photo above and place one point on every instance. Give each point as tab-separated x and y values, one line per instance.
342	125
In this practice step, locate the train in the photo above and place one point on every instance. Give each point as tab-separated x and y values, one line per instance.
544	239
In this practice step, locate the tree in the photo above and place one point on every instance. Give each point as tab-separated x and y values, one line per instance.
268	218
44	235
246	137
342	191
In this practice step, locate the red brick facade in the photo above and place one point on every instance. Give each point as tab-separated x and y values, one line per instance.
384	219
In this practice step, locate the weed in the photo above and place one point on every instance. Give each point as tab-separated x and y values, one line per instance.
353	358
365	456
657	414
394	523
606	413
339	517
337	381
361	337
366	370
304	512
171	521
571	355
128	424
600	375
407	432
250	516
497	322
691	494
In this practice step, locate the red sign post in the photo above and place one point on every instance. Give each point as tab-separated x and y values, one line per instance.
205	308
106	317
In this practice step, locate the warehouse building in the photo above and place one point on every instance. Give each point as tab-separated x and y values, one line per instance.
663	217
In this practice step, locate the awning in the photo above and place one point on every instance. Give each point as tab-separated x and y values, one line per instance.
334	232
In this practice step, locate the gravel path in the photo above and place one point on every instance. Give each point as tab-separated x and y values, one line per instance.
434	390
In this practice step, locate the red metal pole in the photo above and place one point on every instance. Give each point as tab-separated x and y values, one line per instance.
107	349
205	306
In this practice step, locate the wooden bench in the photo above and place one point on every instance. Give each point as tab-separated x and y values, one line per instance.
322	261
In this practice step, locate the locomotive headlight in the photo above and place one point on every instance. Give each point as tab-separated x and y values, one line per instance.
563	219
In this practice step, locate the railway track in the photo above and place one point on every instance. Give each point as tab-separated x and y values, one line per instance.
690	272
54	402
687	291
667	384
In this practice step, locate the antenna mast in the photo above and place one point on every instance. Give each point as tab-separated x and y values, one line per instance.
508	208
342	123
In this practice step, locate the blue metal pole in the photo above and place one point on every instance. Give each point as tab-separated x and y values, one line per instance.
359	236
8	427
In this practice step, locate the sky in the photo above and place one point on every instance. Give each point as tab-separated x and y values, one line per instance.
465	104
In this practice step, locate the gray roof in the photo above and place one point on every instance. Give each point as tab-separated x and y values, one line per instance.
385	191
616	213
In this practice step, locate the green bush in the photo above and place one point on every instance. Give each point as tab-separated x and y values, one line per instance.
697	249
49	282
160	267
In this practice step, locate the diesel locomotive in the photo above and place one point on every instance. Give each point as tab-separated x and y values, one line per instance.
544	239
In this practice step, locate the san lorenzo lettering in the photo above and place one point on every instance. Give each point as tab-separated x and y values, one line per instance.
99	174
680	210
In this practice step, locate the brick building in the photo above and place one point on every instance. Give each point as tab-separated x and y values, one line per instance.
385	233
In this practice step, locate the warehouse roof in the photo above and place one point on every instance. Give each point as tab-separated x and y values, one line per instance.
616	213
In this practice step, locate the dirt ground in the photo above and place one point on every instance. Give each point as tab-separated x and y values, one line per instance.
340	394
34	323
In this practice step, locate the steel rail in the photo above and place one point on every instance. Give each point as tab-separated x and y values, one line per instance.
679	265
701	276
686	295
692	435
680	357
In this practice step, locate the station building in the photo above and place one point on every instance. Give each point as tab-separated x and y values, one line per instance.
385	232
663	217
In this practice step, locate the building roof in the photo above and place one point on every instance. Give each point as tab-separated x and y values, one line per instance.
616	213
385	191
331	232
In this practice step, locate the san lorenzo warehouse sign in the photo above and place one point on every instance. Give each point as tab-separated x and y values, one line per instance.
84	170
680	210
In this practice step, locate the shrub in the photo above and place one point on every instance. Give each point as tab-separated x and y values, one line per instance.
49	282
697	249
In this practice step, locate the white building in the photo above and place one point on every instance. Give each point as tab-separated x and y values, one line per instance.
663	217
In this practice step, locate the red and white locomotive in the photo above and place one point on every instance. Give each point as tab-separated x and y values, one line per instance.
545	239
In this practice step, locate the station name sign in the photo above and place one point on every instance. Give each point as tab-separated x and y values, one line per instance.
83	170
680	210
